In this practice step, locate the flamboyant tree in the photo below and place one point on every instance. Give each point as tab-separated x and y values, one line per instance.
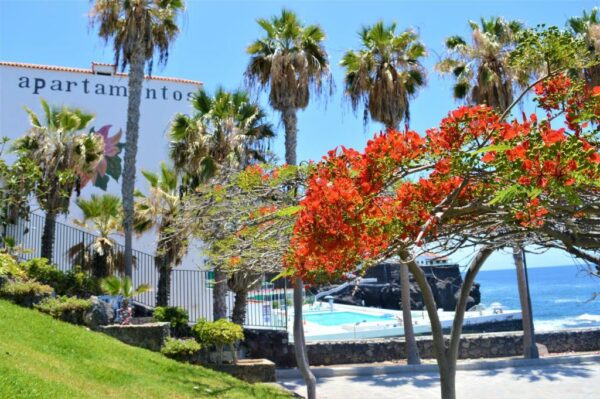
475	180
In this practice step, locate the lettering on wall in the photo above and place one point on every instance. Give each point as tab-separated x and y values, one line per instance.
38	85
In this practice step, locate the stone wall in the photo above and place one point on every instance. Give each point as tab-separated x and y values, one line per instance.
149	336
472	346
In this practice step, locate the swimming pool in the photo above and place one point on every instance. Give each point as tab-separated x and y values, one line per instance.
341	318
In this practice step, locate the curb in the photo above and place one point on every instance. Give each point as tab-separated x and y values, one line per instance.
328	372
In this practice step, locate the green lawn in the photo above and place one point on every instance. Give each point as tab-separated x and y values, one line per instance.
44	358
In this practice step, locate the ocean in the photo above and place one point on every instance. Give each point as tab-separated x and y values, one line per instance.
561	296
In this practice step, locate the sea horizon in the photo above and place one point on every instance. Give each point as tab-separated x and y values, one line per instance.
562	296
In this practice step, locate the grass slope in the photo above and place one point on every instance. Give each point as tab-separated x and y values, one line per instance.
41	357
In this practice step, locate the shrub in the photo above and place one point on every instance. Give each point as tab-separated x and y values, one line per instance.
8	268
218	334
181	349
26	293
176	316
75	282
69	309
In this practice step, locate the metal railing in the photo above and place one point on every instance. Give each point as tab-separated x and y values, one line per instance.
190	289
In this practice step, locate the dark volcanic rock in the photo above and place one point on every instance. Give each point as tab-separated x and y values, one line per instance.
444	281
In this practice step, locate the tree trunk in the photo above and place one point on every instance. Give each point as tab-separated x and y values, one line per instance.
238	315
529	348
219	295
163	291
299	343
446	357
290	121
136	79
48	236
99	265
412	352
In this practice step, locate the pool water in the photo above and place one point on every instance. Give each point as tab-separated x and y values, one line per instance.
340	318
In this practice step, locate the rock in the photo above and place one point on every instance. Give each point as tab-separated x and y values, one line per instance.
100	314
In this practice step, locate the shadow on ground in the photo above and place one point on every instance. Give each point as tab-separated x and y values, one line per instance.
542	373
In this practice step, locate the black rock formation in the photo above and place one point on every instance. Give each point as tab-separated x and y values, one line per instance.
444	281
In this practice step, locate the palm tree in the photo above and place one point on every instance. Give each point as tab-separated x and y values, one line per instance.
102	214
158	210
227	130
481	69
384	73
588	27
492	85
138	29
291	62
116	286
62	152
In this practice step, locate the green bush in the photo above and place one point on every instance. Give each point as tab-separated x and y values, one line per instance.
181	349
75	282
217	334
176	316
8	268
69	309
26	293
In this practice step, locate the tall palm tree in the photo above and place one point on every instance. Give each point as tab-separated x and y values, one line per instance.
139	30
481	69
483	76
227	130
588	27
291	62
62	152
384	73
102	214
158	210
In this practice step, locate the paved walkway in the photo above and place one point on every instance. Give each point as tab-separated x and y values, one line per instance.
560	381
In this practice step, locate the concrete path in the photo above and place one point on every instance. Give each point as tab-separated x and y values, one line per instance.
560	381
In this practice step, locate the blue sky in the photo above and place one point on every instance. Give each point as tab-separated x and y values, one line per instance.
215	34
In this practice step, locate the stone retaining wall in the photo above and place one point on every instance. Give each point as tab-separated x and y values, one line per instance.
274	346
149	336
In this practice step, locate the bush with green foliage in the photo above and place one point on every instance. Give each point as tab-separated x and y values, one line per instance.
65	308
25	293
181	349
74	282
217	334
8	268
176	316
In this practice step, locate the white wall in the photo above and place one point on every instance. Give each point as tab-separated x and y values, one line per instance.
161	100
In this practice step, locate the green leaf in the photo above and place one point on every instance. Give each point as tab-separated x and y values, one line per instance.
289	211
506	194
535	192
113	168
495	147
102	182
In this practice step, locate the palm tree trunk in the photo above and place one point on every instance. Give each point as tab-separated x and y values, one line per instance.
300	344
163	291
136	79
238	315
290	121
412	352
99	265
529	347
219	295
48	235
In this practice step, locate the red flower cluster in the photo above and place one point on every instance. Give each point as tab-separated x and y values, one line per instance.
532	215
552	92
